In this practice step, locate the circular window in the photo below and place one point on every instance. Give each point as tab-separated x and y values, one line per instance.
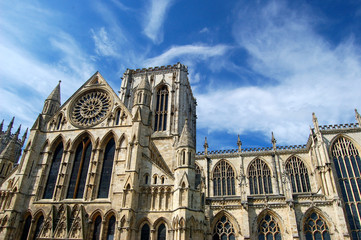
90	108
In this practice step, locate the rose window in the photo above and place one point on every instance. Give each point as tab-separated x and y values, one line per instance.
91	108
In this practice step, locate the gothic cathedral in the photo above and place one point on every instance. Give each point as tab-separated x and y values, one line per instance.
110	166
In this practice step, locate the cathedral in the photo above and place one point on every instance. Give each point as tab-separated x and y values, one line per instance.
124	166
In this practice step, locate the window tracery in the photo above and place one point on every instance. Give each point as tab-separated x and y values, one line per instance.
269	229
223	179
259	177
347	163
53	173
298	174
80	169
316	228
161	109
223	230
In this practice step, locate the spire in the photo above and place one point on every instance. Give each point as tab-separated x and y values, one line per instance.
1	126
358	118
273	141
24	136
186	139
144	84
205	146
8	131
239	144
55	94
315	122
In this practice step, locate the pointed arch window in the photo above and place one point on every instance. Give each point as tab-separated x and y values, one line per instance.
111	228
316	228
26	228
145	232
117	116
39	226
107	168
269	229
259	177
223	179
223	230
80	169
198	176
53	173
162	232
347	163
96	229
58	124
298	174
161	109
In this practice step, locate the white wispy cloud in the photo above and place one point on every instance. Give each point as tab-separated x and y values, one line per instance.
187	52
154	20
103	45
311	76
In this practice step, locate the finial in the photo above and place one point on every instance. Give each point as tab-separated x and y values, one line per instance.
24	136
18	131
205	146
1	125
8	131
358	118
273	142
239	144
59	81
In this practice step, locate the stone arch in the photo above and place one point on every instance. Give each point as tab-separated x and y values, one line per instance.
324	215
122	141
261	216
54	143
298	173
109	214
341	135
262	159
231	218
106	138
79	138
228	162
143	221
95	214
161	220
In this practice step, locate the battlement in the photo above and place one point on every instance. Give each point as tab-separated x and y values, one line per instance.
339	126
158	68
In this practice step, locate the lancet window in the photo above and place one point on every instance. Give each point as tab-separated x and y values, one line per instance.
223	179
269	229
316	228
298	174
162	232
259	177
117	117
26	228
80	169
145	232
161	109
97	228
106	172
39	226
58	124
223	230
111	228
347	163
198	176
53	173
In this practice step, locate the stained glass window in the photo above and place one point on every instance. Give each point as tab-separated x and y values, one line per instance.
259	177
347	164
53	173
107	168
223	179
298	173
80	169
269	229
161	109
316	228
223	230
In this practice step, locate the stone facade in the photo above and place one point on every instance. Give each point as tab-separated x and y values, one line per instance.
108	166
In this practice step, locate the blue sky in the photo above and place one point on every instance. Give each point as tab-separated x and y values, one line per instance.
255	66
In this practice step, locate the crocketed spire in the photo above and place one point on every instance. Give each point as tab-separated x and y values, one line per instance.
186	139
55	94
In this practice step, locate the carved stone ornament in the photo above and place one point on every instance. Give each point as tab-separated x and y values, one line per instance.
90	108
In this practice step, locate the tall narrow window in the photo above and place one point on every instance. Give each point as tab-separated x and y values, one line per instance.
53	173
298	173
347	163
269	229
161	109
117	117
162	232
316	228
223	179
107	167
111	228
223	230
39	226
26	228
60	118
259	177
80	169
198	176
97	226
145	232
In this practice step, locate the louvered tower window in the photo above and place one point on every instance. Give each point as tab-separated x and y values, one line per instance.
80	169
298	174
161	109
316	228
348	165
223	179
259	177
107	168
53	173
269	229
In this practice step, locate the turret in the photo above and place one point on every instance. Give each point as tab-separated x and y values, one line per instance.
52	102
141	106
